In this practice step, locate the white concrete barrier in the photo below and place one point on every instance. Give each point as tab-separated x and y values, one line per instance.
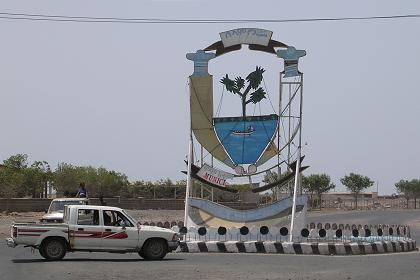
355	248
231	247
380	247
212	246
323	248
269	247
250	246
306	248
288	248
340	249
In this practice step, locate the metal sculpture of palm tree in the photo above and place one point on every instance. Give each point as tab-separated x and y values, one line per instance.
254	80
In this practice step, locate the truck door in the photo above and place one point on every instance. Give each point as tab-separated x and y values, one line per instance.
86	233
119	233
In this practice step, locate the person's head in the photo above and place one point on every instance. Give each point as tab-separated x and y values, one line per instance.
82	185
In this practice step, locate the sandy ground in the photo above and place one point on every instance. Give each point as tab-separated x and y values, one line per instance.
6	220
406	217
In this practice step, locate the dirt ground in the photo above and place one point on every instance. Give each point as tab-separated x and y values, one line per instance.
140	215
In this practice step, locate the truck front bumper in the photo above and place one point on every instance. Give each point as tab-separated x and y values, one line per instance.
172	245
10	242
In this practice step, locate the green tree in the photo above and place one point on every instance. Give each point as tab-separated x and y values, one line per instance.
355	183
410	190
34	179
33	182
13	176
10	182
66	179
37	177
318	184
271	177
415	188
18	161
99	181
254	80
403	187
110	182
163	188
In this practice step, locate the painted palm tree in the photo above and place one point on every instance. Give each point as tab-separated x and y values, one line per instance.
236	86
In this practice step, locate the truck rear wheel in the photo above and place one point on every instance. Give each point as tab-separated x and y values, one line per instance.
154	249
53	249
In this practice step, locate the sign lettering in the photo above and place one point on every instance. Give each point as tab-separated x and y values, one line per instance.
214	176
246	36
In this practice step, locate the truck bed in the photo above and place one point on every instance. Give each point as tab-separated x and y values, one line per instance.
32	233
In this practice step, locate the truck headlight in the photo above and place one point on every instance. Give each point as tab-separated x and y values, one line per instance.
175	237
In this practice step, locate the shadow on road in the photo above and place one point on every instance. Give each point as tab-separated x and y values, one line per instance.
92	260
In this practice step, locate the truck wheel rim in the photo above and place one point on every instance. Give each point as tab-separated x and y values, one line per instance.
54	249
156	249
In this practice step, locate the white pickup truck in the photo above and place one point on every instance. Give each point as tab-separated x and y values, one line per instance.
55	212
94	229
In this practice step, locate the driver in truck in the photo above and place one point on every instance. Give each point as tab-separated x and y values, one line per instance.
107	219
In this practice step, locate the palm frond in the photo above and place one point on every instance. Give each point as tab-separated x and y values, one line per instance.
257	96
254	78
229	84
240	83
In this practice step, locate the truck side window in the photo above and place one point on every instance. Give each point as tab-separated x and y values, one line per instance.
88	217
108	218
115	218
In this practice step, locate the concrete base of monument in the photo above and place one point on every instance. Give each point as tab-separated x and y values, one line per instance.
212	215
370	239
215	228
304	248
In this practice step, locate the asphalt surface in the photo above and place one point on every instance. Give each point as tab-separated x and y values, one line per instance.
20	263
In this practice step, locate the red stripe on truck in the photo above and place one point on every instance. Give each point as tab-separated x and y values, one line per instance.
117	235
87	234
32	230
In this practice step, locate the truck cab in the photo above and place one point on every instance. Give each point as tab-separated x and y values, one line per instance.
104	228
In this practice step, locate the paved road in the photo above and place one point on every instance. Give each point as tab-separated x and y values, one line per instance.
20	264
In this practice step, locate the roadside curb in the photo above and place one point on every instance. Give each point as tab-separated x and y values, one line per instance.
299	248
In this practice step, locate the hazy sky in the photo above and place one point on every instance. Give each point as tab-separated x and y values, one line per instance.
115	95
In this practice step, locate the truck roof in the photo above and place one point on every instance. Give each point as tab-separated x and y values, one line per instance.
70	199
96	207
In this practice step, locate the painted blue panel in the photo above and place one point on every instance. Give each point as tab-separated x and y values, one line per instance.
245	138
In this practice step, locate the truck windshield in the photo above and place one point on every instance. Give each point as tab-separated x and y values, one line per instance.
58	206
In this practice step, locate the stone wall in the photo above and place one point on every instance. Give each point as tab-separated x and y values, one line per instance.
41	204
24	204
142	203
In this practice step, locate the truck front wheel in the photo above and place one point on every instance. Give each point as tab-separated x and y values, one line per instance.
154	249
53	249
